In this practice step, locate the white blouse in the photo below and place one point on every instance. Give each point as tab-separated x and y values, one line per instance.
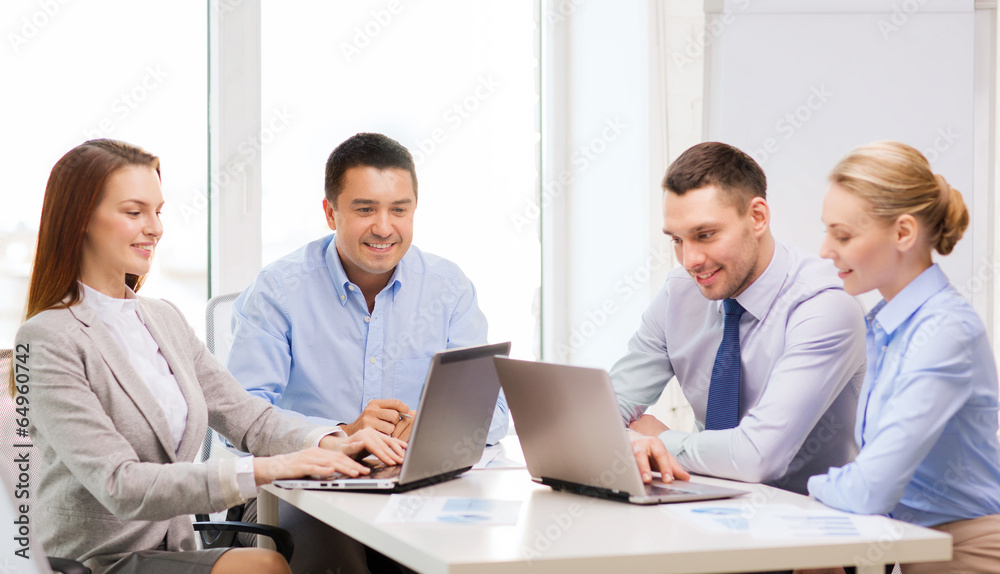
124	319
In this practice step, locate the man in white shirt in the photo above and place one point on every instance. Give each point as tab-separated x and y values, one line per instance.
775	397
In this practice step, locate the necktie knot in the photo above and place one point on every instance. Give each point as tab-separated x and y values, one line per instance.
733	307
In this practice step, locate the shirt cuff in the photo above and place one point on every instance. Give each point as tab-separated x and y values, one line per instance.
246	482
816	483
314	436
231	493
674	440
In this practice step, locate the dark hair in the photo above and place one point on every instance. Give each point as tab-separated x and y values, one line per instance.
365	149
75	187
736	174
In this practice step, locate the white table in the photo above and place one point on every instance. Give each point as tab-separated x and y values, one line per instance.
563	532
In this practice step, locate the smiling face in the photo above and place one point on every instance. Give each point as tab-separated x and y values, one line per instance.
123	230
862	248
373	218
720	248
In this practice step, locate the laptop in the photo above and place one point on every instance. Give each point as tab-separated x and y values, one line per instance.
573	437
449	431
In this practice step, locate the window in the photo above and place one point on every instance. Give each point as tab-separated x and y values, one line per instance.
78	71
456	83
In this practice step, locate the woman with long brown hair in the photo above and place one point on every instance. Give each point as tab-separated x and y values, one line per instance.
120	390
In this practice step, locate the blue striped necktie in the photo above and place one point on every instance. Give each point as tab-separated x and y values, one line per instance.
723	411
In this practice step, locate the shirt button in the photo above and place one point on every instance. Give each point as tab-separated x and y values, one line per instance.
368	319
372	360
350	287
342	297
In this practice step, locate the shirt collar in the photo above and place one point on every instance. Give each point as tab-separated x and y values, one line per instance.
107	308
890	315
339	276
758	298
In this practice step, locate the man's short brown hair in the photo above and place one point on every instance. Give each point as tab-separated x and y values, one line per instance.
736	174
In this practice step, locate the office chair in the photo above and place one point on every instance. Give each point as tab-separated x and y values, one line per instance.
218	333
7	478
220	529
218	339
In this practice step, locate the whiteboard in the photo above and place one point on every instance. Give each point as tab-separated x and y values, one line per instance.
799	84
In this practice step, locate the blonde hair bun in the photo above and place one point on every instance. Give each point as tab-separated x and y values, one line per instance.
956	217
896	179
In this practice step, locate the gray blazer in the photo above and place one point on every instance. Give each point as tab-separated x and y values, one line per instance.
110	483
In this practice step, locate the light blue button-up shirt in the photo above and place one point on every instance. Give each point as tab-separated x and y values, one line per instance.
802	363
927	417
304	341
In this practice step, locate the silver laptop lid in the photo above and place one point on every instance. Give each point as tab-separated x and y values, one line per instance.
456	409
569	426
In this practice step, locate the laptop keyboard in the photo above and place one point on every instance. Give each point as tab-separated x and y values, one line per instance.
383	471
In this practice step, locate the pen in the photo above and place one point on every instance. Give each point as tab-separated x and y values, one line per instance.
405	416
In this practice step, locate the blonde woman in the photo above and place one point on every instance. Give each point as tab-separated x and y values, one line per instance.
927	414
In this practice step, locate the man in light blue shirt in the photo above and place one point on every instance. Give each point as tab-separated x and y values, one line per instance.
342	330
801	337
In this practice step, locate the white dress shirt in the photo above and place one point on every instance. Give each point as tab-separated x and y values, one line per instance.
802	342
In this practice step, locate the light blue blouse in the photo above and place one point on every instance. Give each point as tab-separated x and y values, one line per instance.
927	416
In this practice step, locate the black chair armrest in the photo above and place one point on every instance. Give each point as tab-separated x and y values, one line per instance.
282	539
67	566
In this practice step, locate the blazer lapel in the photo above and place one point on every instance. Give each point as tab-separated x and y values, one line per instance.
126	375
197	421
